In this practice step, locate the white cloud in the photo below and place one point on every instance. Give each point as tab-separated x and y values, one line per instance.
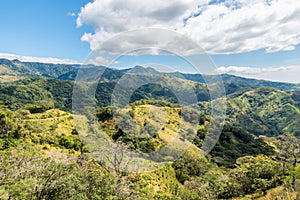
252	70
36	59
133	42
253	26
282	74
110	17
113	16
99	61
233	26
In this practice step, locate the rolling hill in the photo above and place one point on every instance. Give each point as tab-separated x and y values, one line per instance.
44	155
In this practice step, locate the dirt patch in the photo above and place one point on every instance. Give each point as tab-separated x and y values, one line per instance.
9	78
4	69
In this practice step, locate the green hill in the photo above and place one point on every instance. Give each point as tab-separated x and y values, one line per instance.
48	140
44	155
265	111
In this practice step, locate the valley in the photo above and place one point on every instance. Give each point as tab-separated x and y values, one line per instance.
44	154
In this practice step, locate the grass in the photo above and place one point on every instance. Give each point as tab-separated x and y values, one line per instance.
54	120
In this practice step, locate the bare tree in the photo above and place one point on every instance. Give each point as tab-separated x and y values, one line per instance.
118	159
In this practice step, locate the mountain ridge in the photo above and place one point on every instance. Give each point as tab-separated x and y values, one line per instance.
69	72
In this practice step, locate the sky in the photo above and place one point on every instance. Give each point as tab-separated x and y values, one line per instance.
256	39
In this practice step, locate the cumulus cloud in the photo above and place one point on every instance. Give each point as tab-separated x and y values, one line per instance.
110	17
113	16
282	74
141	41
249	25
36	59
99	61
230	26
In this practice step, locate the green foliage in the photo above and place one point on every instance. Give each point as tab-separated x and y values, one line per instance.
234	142
104	114
37	94
145	145
189	177
162	103
288	149
208	186
41	106
70	142
28	174
153	91
265	111
187	167
254	174
10	130
159	184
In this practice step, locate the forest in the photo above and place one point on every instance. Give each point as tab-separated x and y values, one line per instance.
44	155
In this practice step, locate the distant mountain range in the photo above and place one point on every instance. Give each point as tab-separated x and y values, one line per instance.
69	72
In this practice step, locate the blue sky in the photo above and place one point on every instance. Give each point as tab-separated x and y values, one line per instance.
243	38
42	29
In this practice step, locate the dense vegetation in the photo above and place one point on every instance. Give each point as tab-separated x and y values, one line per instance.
43	155
54	164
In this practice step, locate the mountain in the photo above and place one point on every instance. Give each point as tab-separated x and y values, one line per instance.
226	78
141	70
34	69
69	72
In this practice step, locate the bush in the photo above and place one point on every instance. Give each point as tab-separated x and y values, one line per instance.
187	167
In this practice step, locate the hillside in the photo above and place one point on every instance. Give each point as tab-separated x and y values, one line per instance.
38	89
48	138
45	155
274	111
265	111
69	72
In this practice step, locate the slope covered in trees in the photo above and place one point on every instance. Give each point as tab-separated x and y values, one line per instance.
53	163
44	156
